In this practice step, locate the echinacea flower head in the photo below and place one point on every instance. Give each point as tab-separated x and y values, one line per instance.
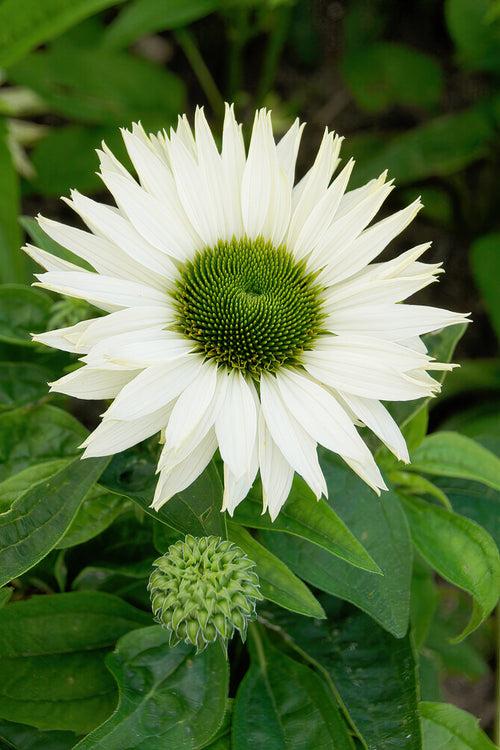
245	312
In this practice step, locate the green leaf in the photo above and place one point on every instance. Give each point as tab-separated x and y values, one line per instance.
423	601
373	673
42	239
384	74
24	24
195	510
5	594
439	148
23	737
32	309
461	551
283	705
307	518
12	488
277	582
40	517
380	525
450	454
168	696
475	36
35	435
51	657
70	79
97	511
485	263
446	727
143	17
22	383
12	260
474	500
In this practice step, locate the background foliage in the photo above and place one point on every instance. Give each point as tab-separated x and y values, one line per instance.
356	641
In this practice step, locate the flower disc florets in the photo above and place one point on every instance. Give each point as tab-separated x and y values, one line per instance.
249	305
203	589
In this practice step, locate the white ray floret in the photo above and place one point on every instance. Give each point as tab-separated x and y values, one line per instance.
245	313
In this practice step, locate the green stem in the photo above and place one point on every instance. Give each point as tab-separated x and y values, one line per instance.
275	44
238	34
186	41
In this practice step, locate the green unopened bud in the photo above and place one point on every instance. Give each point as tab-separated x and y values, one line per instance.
203	589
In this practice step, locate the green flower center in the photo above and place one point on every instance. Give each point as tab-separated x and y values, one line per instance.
249	305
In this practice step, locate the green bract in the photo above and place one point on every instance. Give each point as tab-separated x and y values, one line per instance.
202	589
249	305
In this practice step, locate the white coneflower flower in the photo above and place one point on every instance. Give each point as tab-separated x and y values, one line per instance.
245	313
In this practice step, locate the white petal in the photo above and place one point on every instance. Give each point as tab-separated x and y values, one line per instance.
257	179
90	383
236	425
113	436
319	414
287	150
124	321
66	339
368	472
296	445
233	163
275	471
313	185
376	417
155	387
48	261
106	292
153	170
184	473
235	490
138	349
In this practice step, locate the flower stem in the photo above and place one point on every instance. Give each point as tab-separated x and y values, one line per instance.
186	41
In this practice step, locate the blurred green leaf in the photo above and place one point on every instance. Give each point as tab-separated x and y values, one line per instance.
39	238
97	511
51	656
142	17
440	147
295	709
474	500
24	24
372	672
446	727
450	454
277	582
380	525
485	264
23	737
23	311
386	74
35	435
12	260
307	518
461	551
41	516
102	87
475	33
22	383
168	696
423	601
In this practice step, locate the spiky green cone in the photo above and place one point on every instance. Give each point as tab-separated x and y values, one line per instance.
202	589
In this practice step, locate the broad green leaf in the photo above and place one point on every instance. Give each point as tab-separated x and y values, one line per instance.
436	148
12	260
22	383
461	551
476	35
283	705
474	500
142	17
485	263
35	435
168	696
128	581
384	74
51	658
40	517
418	485
66	159
23	310
24	24
70	79
380	525
195	510
5	594
424	600
450	454
97	511
23	737
277	582
307	518
12	488
446	727
373	673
